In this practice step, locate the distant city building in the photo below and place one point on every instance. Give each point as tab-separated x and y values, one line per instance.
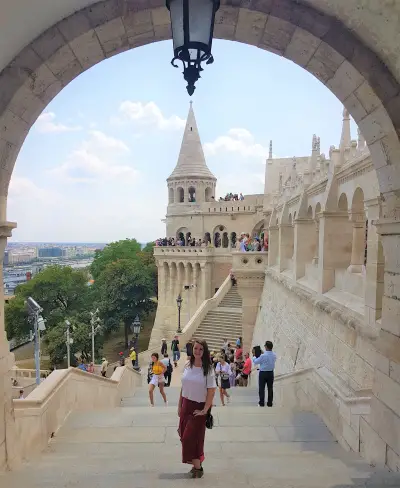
50	252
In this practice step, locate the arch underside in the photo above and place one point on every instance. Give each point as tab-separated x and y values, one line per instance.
311	39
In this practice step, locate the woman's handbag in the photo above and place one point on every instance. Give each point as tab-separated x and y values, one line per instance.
209	419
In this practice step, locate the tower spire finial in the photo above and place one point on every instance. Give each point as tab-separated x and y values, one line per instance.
345	139
270	149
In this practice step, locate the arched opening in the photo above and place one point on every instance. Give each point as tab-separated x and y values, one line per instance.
208	194
309	212
217	239
225	240
339	58
207	238
181	236
188	239
170	195
359	232
180	194
192	194
233	239
342	204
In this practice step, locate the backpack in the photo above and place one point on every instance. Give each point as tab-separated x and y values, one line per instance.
169	367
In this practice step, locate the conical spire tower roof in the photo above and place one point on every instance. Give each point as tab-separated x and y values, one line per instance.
191	161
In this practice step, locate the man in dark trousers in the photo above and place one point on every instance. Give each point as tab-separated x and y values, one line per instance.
266	374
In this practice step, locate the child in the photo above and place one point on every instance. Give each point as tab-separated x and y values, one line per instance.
232	374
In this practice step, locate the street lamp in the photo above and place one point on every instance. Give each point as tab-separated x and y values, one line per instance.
136	327
69	341
34	310
192	24
179	304
96	327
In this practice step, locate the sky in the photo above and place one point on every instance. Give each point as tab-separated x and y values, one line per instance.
93	167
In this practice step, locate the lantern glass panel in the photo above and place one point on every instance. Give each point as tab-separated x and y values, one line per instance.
176	8
200	19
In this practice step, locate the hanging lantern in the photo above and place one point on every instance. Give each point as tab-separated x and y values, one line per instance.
192	24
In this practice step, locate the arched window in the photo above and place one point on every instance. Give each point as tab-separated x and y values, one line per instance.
309	212
208	194
170	195
192	194
342	204
233	239
225	240
217	239
181	194
207	237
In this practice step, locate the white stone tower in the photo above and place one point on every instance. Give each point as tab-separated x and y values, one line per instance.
191	182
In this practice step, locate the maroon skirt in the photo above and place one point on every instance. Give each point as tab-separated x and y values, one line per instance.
192	431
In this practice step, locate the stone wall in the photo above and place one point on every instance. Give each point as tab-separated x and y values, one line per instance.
305	336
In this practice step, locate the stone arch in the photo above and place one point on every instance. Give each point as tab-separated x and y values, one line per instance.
309	212
171	195
357	202
225	240
342	203
313	40
258	228
181	233
208	194
317	210
180	195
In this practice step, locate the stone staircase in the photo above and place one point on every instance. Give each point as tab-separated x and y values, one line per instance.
225	321
135	446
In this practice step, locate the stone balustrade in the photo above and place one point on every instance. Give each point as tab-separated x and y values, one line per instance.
249	261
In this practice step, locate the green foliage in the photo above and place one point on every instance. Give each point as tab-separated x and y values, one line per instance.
125	289
125	249
16	319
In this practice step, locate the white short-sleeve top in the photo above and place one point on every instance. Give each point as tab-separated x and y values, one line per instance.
195	384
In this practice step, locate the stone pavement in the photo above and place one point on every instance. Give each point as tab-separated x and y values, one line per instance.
136	446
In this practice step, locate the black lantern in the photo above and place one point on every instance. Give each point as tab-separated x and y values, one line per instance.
179	304
136	326
192	24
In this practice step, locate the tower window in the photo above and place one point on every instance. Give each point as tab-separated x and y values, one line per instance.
191	129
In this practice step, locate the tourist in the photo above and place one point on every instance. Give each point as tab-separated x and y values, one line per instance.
121	359
90	368
233	278
157	378
176	355
104	366
223	370
225	345
241	197
21	395
132	357
239	341
238	352
195	401
164	346
82	366
199	243
245	375
232	374
168	372
266	374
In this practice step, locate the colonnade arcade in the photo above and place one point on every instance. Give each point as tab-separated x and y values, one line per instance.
190	278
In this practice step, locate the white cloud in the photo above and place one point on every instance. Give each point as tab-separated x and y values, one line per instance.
239	141
97	158
147	114
46	124
22	188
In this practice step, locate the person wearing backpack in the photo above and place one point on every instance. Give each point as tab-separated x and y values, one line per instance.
168	372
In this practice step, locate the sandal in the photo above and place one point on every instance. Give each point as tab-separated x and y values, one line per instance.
197	473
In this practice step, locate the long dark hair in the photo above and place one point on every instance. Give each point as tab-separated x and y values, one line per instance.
206	359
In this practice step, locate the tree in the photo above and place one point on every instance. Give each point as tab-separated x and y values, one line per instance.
125	289
16	319
124	249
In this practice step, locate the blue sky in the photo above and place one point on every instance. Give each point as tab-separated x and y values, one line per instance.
93	167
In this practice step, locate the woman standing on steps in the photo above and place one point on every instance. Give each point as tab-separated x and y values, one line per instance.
223	370
196	398
157	378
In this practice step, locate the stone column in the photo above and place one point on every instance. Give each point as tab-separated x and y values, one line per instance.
162	285
205	281
9	453
316	252
285	245
380	430
249	286
195	282
358	245
173	278
335	240
303	251
273	245
375	266
187	274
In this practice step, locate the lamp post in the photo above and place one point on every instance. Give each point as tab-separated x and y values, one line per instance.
192	24
69	341
136	327
179	304
95	324
34	310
